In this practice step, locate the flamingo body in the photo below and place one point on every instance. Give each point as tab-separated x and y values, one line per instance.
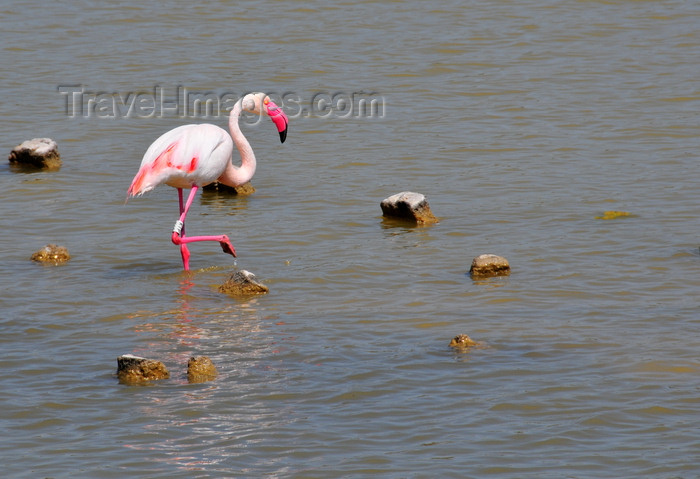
192	156
185	156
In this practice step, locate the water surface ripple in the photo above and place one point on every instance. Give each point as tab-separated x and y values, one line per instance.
521	121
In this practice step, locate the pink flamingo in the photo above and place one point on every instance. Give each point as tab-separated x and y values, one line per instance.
192	156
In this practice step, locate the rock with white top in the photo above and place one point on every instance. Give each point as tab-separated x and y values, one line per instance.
409	206
39	153
135	370
486	265
243	283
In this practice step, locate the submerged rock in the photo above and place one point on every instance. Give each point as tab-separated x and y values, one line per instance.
243	283
486	265
134	369
462	341
244	189
52	254
41	153
200	369
611	215
409	206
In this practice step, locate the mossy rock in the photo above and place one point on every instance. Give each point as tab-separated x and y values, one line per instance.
487	265
137	370
200	369
611	215
51	254
243	283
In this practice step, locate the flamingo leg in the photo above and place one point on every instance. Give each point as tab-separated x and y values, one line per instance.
184	252
179	238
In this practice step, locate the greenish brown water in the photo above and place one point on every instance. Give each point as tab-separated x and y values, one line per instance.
520	121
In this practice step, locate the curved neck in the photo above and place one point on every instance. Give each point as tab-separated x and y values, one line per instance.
238	175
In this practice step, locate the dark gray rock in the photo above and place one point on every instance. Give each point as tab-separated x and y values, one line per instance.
242	190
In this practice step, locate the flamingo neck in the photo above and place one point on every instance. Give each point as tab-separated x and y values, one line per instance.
238	175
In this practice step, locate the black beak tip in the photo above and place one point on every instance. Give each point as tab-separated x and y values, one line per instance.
283	135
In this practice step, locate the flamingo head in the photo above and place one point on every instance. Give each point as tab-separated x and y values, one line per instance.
258	103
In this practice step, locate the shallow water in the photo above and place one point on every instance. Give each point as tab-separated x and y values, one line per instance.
520	121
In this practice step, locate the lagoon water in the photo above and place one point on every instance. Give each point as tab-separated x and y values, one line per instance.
522	122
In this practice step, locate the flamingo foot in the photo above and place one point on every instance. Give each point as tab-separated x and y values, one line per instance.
227	246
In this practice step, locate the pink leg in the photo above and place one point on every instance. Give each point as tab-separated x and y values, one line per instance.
184	252
180	239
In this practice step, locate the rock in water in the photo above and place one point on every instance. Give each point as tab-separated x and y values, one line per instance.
200	369
39	153
611	215
410	206
135	370
462	341
52	254
486	265
243	283
244	189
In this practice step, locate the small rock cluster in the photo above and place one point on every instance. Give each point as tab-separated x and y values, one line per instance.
134	370
37	154
414	207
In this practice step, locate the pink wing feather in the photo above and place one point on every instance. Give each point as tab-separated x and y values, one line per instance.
185	156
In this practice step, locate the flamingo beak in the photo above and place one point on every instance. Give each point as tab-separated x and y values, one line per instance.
278	118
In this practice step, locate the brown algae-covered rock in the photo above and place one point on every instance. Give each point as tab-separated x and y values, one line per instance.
134	369
39	153
462	341
410	206
486	265
51	254
244	189
243	283
200	369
